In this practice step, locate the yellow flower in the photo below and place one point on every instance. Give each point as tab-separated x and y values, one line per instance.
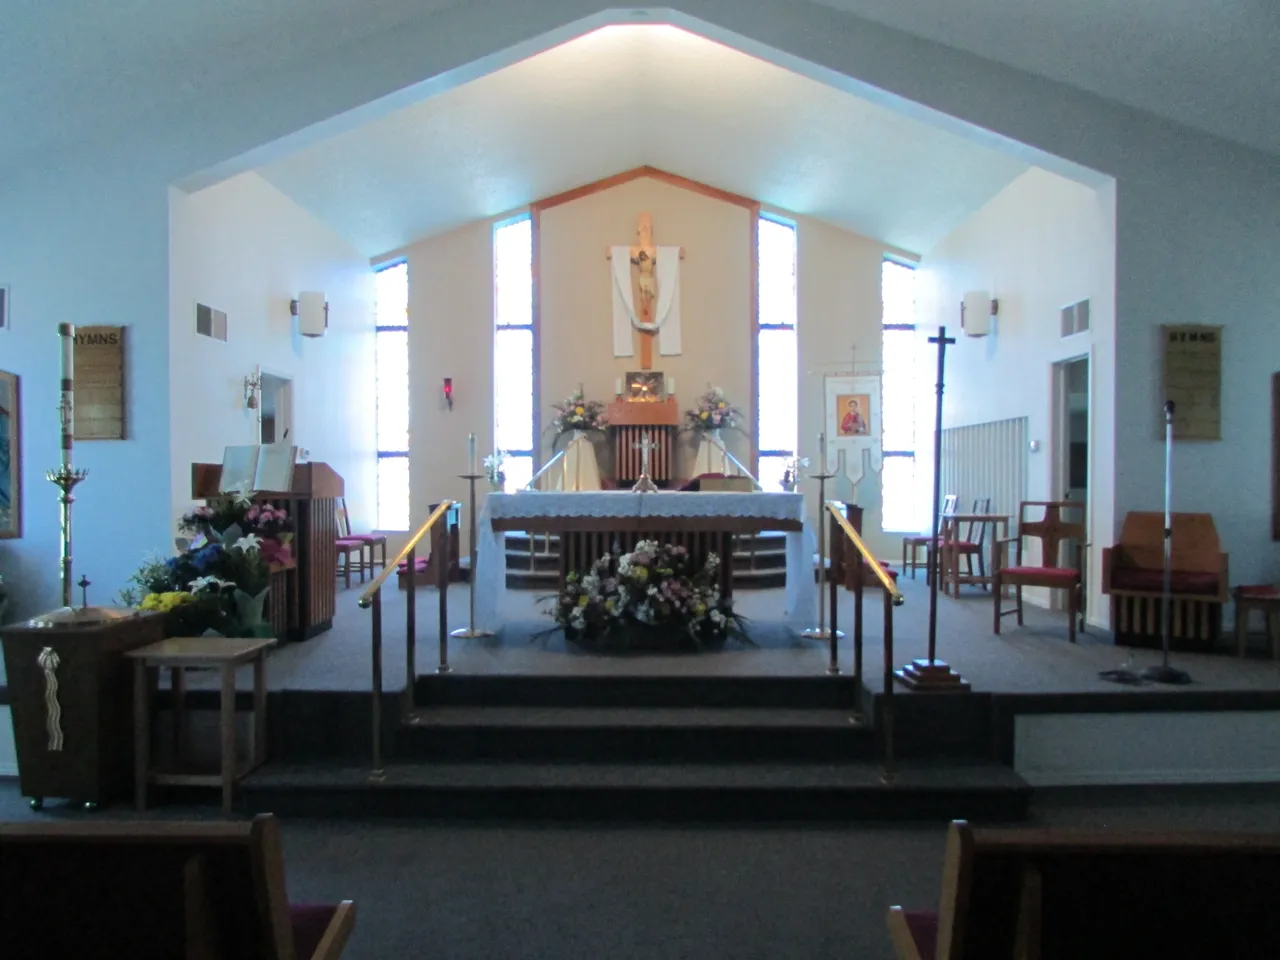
582	600
720	404
704	415
579	410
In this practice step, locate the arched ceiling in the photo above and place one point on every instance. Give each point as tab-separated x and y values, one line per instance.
627	96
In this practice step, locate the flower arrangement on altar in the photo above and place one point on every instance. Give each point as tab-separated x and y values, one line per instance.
791	475
493	471
712	411
213	586
652	597
578	413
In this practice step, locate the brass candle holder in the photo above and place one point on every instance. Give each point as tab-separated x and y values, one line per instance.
65	479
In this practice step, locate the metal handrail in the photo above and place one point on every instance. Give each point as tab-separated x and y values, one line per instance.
892	598
868	557
736	462
545	467
372	598
366	598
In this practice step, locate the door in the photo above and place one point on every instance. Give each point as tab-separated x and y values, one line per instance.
276	423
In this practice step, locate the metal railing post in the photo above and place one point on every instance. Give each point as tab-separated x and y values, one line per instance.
835	552
859	583
889	770
440	540
378	772
410	634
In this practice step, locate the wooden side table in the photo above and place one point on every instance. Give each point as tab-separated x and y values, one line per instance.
181	653
1262	597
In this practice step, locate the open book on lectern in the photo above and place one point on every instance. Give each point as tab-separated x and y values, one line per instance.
267	466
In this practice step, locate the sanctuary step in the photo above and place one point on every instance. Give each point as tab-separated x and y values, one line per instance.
759	561
771	792
639	747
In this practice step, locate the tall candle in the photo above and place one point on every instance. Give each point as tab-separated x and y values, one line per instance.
617	387
471	453
671	385
822	451
67	333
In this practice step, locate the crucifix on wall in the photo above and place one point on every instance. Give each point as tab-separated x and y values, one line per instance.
646	295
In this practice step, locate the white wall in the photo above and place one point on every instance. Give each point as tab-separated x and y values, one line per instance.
1042	243
88	226
244	247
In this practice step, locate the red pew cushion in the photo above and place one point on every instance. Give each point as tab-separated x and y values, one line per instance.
309	922
1152	581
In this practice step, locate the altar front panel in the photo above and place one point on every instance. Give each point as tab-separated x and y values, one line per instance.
592	524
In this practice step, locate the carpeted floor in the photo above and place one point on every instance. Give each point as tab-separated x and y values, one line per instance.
1032	659
456	892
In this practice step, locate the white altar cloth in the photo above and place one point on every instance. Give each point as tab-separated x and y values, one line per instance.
490	576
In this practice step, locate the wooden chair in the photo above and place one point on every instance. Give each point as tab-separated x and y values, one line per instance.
1059	894
155	890
424	569
346	547
1051	530
1133	576
911	545
969	546
371	540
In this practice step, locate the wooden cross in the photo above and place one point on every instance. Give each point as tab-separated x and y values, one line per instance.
644	289
1052	530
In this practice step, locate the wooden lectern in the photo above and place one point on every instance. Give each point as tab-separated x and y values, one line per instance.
313	505
630	421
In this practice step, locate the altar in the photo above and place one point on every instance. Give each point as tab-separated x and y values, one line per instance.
591	524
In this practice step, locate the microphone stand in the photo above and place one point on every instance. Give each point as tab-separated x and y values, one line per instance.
1165	673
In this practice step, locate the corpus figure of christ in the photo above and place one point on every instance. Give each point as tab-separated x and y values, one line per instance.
644	286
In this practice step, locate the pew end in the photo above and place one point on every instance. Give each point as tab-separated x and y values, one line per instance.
149	890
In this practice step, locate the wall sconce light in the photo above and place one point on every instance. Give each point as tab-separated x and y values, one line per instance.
976	310
253	389
448	391
312	311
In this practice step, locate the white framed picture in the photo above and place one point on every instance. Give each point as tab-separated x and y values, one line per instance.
4	308
852	422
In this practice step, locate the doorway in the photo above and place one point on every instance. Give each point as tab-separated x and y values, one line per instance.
275	415
1072	449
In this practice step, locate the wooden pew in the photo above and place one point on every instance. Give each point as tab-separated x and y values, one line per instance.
154	890
1133	575
1044	894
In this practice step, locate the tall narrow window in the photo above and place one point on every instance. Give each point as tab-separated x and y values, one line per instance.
392	358
777	373
903	510
513	347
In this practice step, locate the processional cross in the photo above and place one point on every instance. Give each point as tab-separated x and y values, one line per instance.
644	284
645	484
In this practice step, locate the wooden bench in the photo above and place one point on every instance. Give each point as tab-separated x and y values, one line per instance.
152	890
1133	576
1044	894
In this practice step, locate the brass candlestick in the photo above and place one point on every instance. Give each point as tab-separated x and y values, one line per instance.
470	631
65	479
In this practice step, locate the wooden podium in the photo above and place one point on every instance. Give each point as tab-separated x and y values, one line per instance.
630	421
313	505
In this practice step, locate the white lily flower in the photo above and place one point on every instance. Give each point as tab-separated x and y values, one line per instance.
248	542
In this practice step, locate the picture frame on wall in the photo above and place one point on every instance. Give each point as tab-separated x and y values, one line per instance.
10	456
4	308
852	420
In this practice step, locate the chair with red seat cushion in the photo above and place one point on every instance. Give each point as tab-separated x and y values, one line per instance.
1054	533
370	540
970	546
